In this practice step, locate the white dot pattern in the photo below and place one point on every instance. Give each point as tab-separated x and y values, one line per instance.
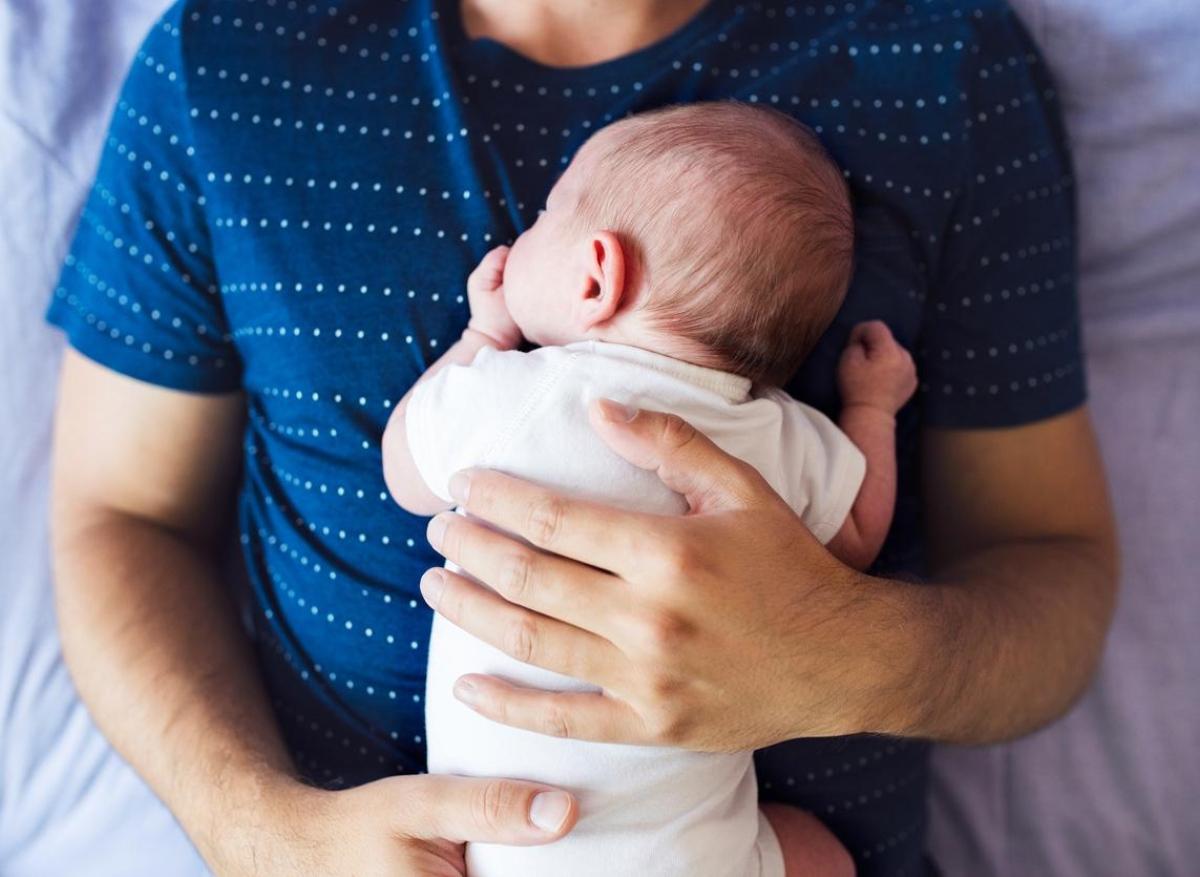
292	193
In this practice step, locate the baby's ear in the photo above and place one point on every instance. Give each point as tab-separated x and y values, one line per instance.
604	267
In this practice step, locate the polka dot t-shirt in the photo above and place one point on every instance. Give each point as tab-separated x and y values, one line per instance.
292	194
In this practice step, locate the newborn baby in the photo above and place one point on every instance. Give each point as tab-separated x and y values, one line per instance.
686	261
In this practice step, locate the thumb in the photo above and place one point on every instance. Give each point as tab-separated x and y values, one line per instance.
469	810
684	459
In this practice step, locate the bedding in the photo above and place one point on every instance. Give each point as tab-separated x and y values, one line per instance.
1110	790
1113	788
68	803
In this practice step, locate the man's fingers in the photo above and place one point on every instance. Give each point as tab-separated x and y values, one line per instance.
598	535
526	636
468	810
684	458
548	584
578	715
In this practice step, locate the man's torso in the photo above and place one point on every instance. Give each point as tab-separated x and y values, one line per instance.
355	159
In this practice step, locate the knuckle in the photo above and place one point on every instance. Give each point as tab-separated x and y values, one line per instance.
663	633
676	432
516	575
545	520
681	562
668	727
491	805
746	480
554	722
669	631
674	554
519	639
422	796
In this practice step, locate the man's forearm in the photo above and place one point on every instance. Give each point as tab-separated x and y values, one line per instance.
154	646
1000	644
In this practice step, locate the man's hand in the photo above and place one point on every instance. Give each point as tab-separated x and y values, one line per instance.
727	629
731	628
406	826
485	294
875	370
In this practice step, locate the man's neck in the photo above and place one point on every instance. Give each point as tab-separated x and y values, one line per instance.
576	33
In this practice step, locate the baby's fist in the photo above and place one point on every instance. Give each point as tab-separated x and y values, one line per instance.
485	294
875	369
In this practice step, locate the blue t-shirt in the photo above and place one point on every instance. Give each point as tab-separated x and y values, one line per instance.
291	197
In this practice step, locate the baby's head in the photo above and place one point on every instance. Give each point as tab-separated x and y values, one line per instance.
718	233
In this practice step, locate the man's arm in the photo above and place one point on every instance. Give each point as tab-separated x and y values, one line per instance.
143	479
736	601
143	482
1023	554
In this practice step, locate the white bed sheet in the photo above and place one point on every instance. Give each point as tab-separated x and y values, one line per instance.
68	804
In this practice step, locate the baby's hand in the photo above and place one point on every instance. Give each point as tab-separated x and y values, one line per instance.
485	294
875	370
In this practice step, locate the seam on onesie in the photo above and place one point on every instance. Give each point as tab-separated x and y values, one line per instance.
532	400
715	381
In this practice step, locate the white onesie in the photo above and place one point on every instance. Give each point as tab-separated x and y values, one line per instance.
645	811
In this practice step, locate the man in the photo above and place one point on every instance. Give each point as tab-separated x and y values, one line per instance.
277	239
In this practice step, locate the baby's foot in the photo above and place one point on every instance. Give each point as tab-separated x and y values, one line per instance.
809	848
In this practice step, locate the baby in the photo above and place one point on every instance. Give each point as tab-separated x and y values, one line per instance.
687	261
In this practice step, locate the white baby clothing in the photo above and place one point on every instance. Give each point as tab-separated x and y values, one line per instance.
646	811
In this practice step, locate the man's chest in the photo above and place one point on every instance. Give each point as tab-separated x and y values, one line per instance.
360	271
346	210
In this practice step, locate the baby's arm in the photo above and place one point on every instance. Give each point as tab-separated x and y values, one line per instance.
490	326
876	376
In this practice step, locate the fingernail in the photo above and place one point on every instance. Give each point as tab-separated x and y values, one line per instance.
432	585
549	810
615	412
460	486
436	531
466	691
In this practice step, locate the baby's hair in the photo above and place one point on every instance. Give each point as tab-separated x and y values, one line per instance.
738	225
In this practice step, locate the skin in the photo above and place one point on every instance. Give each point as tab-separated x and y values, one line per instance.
1019	525
576	32
138	528
562	283
1002	640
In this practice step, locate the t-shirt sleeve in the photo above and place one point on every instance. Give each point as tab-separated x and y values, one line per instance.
465	415
826	472
138	292
1000	344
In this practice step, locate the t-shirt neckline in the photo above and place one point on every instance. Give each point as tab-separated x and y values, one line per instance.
495	55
